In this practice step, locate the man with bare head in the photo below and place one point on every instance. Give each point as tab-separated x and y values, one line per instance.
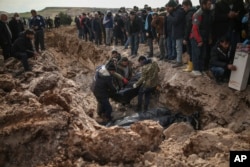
37	23
5	36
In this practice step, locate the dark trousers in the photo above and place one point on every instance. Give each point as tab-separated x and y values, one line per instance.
104	107
134	43
98	38
150	45
146	92
6	50
200	56
39	40
23	56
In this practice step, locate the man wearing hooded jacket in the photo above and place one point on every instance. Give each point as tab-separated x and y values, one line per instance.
104	89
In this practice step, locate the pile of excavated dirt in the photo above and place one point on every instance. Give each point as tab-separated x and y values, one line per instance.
48	116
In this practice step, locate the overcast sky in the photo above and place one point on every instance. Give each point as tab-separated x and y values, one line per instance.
12	6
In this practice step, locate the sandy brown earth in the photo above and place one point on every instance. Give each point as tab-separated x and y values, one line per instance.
48	116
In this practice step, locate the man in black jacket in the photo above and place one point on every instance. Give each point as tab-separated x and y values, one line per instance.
132	30
22	48
103	89
16	26
5	36
221	61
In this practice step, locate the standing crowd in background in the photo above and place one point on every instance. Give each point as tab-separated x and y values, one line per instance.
209	32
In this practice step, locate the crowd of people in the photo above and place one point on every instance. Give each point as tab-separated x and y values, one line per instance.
208	32
16	40
177	28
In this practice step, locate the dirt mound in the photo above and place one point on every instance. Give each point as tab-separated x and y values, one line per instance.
47	116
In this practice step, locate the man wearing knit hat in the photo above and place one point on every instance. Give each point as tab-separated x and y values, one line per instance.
172	3
103	89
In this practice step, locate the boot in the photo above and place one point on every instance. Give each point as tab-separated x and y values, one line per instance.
189	67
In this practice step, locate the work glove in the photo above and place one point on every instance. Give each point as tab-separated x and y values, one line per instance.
125	81
244	19
134	85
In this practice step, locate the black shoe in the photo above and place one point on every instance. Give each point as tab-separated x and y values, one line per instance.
177	65
138	109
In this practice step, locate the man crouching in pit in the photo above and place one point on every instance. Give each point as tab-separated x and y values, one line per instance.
22	48
104	89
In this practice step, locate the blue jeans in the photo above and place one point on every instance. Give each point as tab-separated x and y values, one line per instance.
171	48
127	42
217	71
179	49
134	42
109	35
143	37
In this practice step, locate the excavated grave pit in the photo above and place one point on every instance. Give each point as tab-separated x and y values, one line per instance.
47	116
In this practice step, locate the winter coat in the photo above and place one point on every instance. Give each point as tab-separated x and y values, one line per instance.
158	23
5	37
22	44
177	17
16	27
96	26
78	23
133	26
103	87
108	21
148	28
188	23
220	58
167	27
122	70
149	75
202	26
37	23
222	24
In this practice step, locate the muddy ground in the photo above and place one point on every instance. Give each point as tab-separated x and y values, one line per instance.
48	116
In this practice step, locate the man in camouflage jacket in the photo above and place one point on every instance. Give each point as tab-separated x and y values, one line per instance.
148	81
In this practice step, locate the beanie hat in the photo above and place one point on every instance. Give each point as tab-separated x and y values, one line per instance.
142	58
124	59
111	67
114	51
171	3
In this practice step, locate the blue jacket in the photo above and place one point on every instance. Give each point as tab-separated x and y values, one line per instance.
37	21
108	21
